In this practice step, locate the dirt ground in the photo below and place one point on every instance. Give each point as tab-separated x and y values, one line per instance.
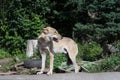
66	76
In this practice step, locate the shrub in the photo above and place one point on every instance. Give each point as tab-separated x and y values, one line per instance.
117	45
19	21
3	54
14	37
90	51
110	63
59	58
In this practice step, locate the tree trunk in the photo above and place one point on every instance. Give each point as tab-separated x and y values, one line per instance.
31	47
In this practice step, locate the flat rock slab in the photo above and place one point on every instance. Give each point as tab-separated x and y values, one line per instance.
66	76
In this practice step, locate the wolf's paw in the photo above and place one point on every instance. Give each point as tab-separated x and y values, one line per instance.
41	72
50	73
77	69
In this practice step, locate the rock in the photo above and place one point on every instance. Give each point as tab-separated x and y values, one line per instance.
109	49
4	61
17	59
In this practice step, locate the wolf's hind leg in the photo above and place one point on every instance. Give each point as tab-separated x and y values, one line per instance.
73	59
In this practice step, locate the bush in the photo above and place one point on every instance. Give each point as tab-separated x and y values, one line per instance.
59	58
4	54
101	24
14	38
110	63
19	21
90	51
117	45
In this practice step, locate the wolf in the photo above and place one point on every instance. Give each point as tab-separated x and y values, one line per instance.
50	41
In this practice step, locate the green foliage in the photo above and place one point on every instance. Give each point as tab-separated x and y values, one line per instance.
91	67
90	51
58	59
14	39
30	28
97	33
21	23
117	45
101	25
110	63
4	54
95	19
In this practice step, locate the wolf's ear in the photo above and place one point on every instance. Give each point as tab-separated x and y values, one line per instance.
45	30
56	32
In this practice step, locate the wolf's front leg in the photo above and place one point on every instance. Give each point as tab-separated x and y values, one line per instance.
43	55
51	63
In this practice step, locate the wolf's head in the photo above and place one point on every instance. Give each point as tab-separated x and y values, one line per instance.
52	33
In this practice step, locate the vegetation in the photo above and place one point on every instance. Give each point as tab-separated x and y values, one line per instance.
92	23
18	25
4	54
90	51
111	63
